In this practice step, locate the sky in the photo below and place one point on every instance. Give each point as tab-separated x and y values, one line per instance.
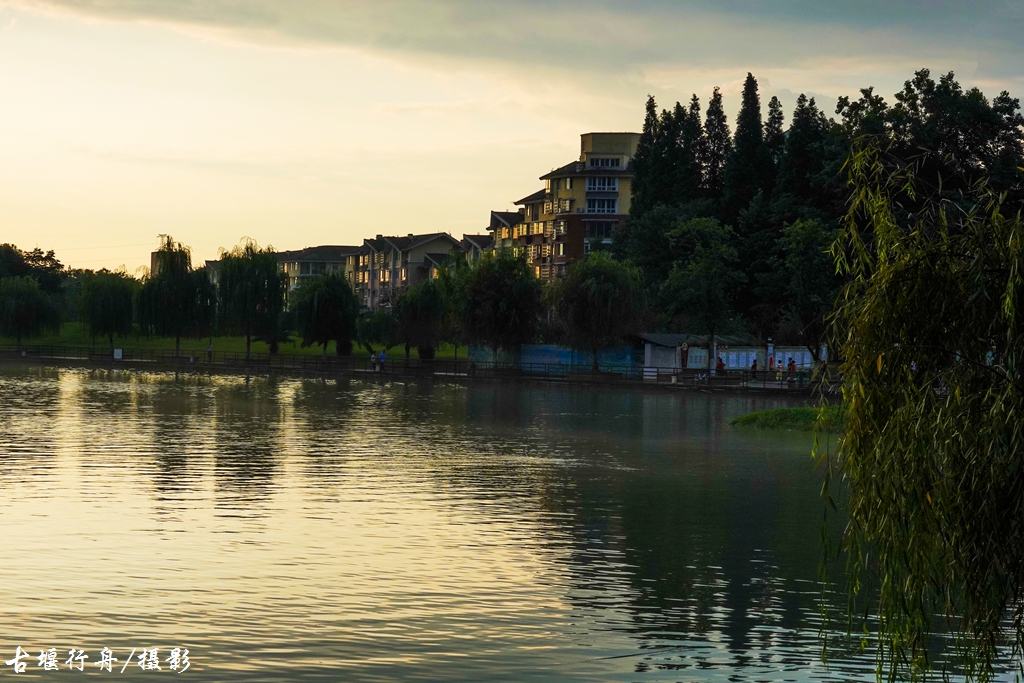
305	122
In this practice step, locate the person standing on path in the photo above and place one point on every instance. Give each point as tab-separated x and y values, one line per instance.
373	361
381	360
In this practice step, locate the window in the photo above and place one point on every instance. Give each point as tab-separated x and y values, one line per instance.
598	229
304	269
602	205
568	183
561	249
604	162
536	271
602	184
403	273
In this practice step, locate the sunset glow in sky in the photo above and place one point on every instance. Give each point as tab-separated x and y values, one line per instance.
304	122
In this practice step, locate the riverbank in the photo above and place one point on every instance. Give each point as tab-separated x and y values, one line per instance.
804	419
461	370
76	335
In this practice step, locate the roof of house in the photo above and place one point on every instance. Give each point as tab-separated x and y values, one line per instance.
479	241
537	196
321	253
406	242
578	168
505	218
436	258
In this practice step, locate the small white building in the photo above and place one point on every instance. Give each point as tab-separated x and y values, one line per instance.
678	351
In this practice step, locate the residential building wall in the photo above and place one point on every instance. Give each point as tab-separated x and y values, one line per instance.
581	206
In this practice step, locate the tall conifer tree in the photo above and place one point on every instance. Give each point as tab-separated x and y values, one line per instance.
773	139
748	169
645	162
717	145
689	151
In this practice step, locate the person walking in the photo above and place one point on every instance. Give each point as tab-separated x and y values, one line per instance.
381	359
373	361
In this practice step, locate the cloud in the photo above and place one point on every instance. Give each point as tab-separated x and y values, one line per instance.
601	35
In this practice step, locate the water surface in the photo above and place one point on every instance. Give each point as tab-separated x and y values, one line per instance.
286	529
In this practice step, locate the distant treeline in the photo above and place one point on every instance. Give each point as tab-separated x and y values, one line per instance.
496	302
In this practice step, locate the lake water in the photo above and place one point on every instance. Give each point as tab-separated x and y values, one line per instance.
298	530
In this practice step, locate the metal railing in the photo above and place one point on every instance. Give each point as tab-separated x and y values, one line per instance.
202	361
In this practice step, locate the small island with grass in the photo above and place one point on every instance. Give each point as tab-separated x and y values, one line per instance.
804	419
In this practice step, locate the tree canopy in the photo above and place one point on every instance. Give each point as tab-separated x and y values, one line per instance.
503	303
107	303
25	309
419	314
325	310
597	303
932	344
251	294
176	301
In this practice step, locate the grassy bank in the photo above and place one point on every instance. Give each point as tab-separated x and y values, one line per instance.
793	419
75	334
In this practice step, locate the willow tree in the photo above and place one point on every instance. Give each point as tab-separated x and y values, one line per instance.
25	309
932	341
326	310
108	303
251	294
176	301
598	303
503	303
419	315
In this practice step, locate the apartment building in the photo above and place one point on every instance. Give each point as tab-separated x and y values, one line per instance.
306	263
383	265
581	205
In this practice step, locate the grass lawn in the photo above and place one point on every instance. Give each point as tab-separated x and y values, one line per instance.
794	419
75	334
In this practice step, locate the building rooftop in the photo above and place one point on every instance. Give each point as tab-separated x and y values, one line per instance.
321	253
480	241
505	219
537	196
578	168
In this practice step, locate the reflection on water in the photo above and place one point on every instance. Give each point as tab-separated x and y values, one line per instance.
291	530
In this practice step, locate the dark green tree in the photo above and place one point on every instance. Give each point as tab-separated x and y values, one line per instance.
376	327
811	280
647	164
717	146
701	284
251	294
773	133
419	314
598	303
689	150
107	303
25	309
453	282
326	310
503	303
43	266
932	342
176	301
955	137
748	169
